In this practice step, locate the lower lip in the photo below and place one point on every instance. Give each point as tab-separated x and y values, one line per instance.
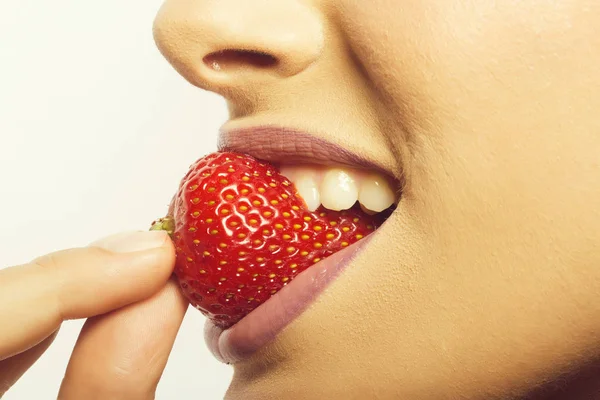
262	325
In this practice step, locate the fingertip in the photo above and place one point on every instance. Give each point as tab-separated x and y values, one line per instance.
157	263
139	256
124	278
118	270
133	241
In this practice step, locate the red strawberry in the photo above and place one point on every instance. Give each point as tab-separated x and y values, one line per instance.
242	233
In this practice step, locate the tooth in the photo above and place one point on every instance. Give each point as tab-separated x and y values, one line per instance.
289	172
375	193
338	190
305	179
367	211
308	190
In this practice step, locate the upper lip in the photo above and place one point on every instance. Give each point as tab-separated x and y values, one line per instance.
287	145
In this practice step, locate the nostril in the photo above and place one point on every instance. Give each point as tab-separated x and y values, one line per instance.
226	60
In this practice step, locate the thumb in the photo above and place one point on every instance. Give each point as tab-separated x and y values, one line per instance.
79	283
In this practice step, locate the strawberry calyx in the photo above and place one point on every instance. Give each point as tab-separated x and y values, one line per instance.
166	224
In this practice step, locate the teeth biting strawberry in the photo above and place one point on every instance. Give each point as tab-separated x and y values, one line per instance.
242	233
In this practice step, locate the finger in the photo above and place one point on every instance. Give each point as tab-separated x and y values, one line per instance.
120	270
122	355
13	368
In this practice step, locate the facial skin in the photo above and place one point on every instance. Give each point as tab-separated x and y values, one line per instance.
484	282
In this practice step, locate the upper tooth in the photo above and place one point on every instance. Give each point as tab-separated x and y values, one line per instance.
367	211
375	193
289	172
306	183
338	190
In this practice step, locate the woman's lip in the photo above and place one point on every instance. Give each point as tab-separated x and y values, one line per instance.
279	144
263	324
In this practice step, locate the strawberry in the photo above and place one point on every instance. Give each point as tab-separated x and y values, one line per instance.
242	232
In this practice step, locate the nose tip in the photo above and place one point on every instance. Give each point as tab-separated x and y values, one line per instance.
231	45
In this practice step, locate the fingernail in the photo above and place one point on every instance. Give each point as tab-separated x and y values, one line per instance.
129	242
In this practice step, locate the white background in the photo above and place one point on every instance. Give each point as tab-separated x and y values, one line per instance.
96	130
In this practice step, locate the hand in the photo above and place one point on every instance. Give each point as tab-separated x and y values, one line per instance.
122	285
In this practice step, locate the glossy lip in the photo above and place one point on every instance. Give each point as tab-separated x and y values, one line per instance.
276	145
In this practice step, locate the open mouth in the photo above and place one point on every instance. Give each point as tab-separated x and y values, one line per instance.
324	174
328	178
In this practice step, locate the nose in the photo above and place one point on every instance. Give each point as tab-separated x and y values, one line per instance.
235	46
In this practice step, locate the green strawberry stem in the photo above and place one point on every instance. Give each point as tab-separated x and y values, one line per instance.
164	224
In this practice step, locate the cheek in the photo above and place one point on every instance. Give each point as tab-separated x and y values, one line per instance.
484	89
431	61
393	46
